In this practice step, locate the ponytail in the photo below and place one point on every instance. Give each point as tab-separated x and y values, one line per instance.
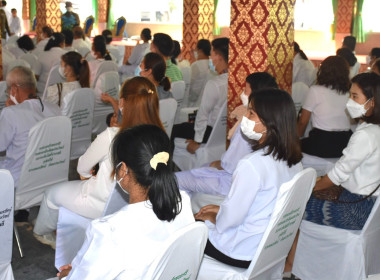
165	83
84	74
107	55
164	193
297	49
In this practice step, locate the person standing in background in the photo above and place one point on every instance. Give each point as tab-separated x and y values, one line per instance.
15	23
69	19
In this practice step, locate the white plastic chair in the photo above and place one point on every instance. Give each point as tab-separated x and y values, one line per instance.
168	109
12	40
3	95
53	78
212	150
181	256
299	93
105	66
79	107
269	259
46	160
18	62
186	74
33	61
178	90
107	82
321	165
83	51
71	227
6	224
325	252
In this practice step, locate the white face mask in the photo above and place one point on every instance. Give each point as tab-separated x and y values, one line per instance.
244	99
195	54
355	109
69	9
248	126
61	71
13	98
121	179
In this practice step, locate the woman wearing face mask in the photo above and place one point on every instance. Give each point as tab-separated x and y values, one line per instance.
325	106
357	171
77	74
123	245
139	100
238	224
216	178
153	67
50	57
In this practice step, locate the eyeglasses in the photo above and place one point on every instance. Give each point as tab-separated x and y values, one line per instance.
9	87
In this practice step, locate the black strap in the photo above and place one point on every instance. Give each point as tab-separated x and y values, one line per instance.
32	96
59	86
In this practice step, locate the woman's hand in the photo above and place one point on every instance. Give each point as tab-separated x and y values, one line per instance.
105	97
208	212
64	271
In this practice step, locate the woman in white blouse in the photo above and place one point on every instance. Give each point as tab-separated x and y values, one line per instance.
123	245
238	224
325	105
100	53
49	57
77	74
139	101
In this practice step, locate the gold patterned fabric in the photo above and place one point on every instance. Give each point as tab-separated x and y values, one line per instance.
102	10
197	23
261	39
48	13
25	9
344	16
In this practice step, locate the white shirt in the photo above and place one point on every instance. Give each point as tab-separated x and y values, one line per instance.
70	49
7	58
48	59
16	51
15	123
40	47
199	74
15	26
354	70
114	52
245	213
303	70
358	169
214	95
138	53
328	109
80	43
94	66
98	188
67	87
123	245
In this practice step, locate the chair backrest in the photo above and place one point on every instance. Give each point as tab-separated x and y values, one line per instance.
17	62
3	95
218	133
88	24
182	254
178	89
46	160
6	218
284	223
53	78
12	40
105	66
299	92
168	109
83	51
79	107
33	61
119	26
186	74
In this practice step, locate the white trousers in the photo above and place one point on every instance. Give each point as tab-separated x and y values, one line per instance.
207	180
72	195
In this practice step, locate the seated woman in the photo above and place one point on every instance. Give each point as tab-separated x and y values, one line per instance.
357	171
23	45
138	52
50	57
376	66
139	101
153	67
351	59
77	74
216	178
98	54
303	69
123	245
325	104
238	224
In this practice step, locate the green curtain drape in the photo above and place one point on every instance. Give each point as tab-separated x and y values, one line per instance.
216	29
357	23
95	10
335	11
111	18
32	11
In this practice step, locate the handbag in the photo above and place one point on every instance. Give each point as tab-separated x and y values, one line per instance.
332	194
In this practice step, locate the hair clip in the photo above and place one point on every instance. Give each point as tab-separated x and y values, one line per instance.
150	91
161	157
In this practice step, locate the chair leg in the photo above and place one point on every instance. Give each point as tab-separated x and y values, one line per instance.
18	240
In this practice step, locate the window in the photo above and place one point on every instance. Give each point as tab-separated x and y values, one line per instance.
315	15
370	13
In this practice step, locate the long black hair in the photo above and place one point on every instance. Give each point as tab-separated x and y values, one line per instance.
276	110
100	46
157	63
56	40
297	49
135	147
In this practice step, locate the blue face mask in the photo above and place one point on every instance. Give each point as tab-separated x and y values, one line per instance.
211	65
137	71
